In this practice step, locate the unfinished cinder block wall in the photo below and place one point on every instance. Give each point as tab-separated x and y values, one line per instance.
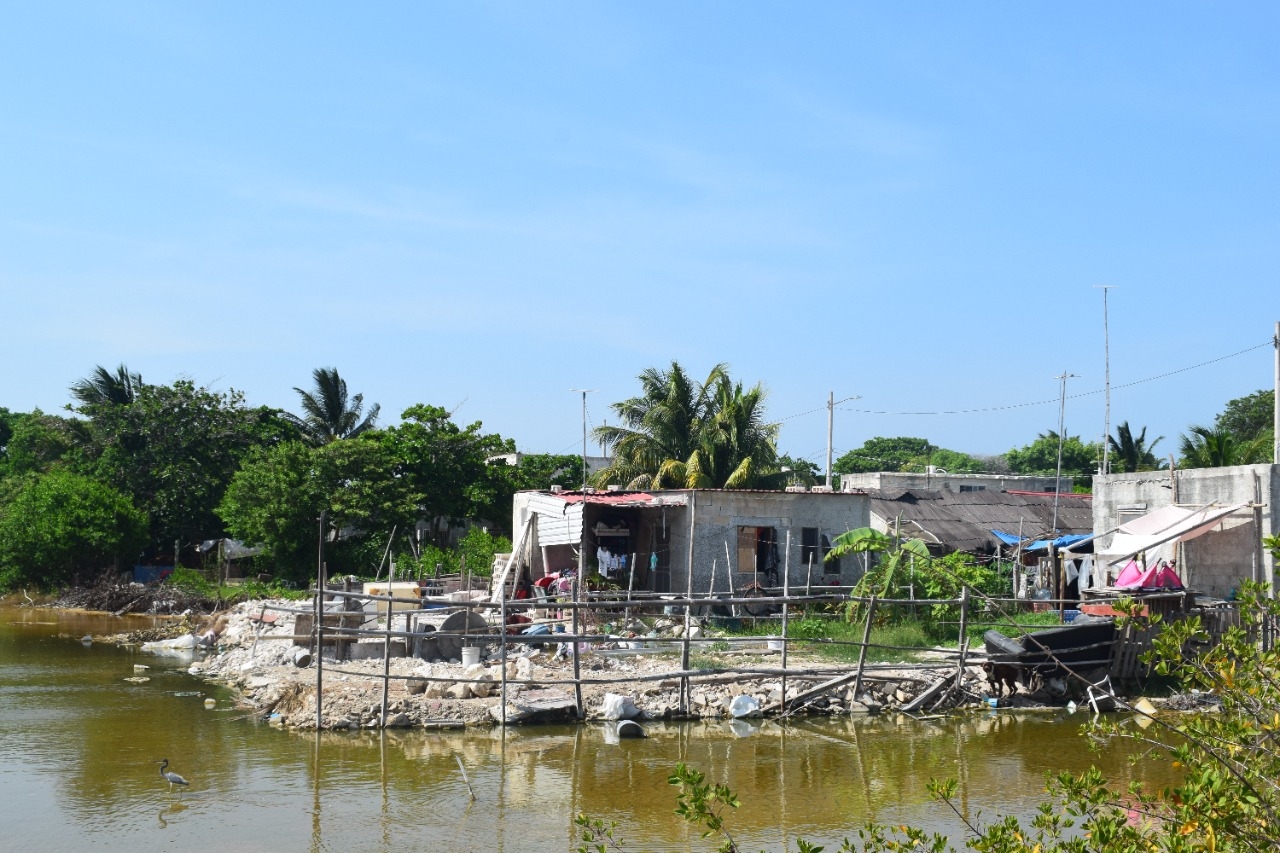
719	514
1219	561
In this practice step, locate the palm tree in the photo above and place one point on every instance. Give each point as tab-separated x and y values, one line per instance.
685	434
328	415
1218	448
1133	454
102	387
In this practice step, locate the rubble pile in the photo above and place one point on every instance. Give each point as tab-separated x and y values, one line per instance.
276	678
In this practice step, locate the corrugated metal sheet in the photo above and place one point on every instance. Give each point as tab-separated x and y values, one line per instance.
964	521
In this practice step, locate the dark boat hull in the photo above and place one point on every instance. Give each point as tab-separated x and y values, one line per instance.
1081	644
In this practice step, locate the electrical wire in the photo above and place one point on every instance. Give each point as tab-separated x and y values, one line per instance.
1269	343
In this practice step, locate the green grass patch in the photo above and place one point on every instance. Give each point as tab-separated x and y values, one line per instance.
194	582
833	638
1013	624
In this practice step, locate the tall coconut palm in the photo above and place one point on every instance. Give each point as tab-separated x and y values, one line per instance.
328	414
1207	447
101	387
1133	453
684	434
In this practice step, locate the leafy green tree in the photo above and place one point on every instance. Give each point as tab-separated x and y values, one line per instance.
905	453
799	471
328	412
1132	453
275	499
173	451
1204	447
542	471
54	526
951	461
6	430
883	454
687	434
102	387
1079	459
448	465
38	441
1245	418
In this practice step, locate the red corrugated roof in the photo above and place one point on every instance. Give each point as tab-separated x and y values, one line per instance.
606	497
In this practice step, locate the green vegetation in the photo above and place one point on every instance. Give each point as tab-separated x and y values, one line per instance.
905	454
194	582
1079	459
329	414
196	464
1132	453
56	525
475	553
1205	447
1246	418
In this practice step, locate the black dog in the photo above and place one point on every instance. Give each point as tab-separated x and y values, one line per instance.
1001	676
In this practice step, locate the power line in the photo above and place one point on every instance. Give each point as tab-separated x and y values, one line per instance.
1269	343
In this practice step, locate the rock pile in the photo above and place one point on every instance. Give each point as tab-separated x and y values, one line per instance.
258	660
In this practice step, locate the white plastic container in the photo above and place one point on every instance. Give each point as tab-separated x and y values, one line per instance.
470	655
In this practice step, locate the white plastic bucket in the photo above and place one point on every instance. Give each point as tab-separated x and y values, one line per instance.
775	644
470	655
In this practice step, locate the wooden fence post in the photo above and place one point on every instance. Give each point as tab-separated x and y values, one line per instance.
386	656
964	633
786	592
684	654
862	652
319	626
502	648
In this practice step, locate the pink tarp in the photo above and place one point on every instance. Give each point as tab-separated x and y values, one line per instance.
1159	576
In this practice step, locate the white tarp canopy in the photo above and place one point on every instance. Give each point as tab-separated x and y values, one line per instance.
1167	524
232	549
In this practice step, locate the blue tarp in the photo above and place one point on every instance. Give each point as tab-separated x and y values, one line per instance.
1061	542
1006	538
1042	544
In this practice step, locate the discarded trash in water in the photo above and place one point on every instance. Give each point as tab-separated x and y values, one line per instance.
138	679
630	729
210	703
1144	710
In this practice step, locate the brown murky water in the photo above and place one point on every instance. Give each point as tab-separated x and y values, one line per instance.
78	746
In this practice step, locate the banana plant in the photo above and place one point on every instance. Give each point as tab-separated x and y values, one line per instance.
879	580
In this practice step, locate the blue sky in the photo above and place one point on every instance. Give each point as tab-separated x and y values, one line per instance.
484	205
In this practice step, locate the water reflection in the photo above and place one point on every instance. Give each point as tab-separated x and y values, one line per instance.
77	767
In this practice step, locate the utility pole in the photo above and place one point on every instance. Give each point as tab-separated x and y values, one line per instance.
1062	411
584	392
1275	417
1106	357
831	421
